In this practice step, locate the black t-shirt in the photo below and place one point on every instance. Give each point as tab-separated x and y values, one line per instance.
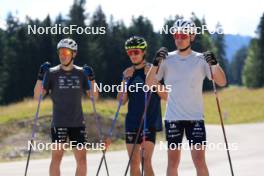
136	105
66	91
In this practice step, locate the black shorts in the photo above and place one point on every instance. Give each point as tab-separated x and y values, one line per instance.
150	135
194	130
76	135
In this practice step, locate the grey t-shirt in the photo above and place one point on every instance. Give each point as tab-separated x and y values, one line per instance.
66	90
185	75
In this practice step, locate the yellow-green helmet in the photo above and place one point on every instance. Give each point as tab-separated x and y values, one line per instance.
136	42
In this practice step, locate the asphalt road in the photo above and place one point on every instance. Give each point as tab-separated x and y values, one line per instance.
246	144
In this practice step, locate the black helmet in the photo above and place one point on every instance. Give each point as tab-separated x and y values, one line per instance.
136	42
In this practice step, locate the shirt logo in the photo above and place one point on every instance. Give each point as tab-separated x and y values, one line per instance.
69	82
61	81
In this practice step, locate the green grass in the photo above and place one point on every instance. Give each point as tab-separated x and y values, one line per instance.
239	105
27	109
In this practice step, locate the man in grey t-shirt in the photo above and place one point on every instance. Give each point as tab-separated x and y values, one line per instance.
185	71
66	84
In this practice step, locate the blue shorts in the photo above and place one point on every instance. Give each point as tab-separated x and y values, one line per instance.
194	130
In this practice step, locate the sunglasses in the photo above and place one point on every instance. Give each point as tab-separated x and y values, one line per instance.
180	36
65	52
134	52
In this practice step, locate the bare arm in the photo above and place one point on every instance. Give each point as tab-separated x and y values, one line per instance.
44	68
151	80
128	73
162	92
125	97
151	76
217	72
219	75
94	89
37	89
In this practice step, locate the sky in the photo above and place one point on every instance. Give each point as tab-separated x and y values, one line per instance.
236	17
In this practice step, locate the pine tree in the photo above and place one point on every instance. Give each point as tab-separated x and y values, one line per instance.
167	39
12	62
98	48
252	69
219	43
253	73
203	42
78	17
236	66
2	44
117	59
260	32
142	26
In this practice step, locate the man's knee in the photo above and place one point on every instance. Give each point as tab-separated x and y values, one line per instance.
199	164
147	161
81	161
199	161
174	163
135	163
57	156
174	160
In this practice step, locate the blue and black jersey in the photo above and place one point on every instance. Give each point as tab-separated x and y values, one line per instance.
136	105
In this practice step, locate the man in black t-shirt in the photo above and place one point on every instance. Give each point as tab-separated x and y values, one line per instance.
66	84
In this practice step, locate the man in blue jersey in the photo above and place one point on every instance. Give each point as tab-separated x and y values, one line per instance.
136	50
185	70
66	84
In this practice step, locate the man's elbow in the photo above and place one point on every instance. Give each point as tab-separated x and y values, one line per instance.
222	83
96	95
148	83
164	96
36	96
151	82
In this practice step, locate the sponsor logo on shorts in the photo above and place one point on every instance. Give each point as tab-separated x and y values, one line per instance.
197	124
173	135
172	125
173	131
130	138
